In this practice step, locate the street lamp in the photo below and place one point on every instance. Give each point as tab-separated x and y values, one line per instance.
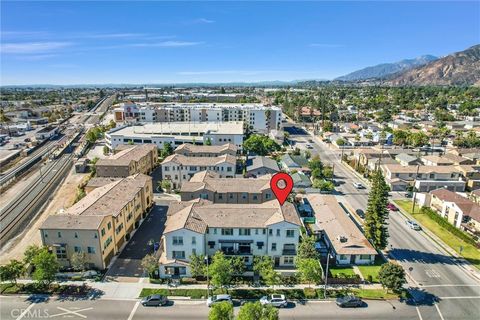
208	282
326	275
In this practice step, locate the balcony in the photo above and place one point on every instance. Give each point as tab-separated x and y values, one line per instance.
289	252
239	252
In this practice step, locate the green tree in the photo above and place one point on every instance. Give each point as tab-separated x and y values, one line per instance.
264	267
255	311
46	266
315	163
166	150
310	270
400	137
12	271
221	311
197	265
30	252
79	261
327	126
323	185
166	185
150	264
340	142
392	276
375	227
220	270
208	142
327	172
238	265
260	145
306	249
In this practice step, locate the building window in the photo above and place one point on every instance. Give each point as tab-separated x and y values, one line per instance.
288	260
264	231
290	233
95	235
229	169
194	251
178	254
59	234
76	235
177	240
364	257
109	225
244	232
220	196
274	246
214	230
103	232
166	168
342	257
227	232
107	242
45	234
244	195
255	197
77	249
194	240
61	253
278	232
91	249
268	196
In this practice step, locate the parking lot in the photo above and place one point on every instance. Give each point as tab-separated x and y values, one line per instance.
128	263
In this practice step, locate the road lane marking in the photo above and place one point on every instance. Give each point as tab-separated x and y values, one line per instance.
451	285
439	313
70	312
26	311
132	313
419	314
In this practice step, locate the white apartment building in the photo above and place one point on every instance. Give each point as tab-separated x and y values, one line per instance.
261	118
245	230
178	168
177	133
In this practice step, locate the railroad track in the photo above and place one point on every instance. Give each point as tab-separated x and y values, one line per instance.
33	197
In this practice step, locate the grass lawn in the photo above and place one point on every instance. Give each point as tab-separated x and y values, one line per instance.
336	270
371	270
469	252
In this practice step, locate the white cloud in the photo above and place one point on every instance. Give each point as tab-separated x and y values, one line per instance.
166	44
203	20
32	47
35	57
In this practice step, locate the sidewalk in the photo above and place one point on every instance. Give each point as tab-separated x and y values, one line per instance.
129	290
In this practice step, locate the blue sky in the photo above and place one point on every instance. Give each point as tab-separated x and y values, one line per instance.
176	42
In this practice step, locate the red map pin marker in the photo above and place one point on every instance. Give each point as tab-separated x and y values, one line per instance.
286	185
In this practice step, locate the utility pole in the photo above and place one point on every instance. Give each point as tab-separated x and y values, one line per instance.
415	189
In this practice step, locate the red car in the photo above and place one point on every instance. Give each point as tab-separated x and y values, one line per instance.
391	207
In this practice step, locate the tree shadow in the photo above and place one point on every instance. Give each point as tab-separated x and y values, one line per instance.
408	255
421	297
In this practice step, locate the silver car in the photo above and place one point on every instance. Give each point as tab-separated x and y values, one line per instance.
218	298
276	300
413	225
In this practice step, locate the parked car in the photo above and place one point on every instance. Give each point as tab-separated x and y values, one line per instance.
218	298
360	213
358	185
309	146
349	302
413	225
154	300
276	300
310	140
392	207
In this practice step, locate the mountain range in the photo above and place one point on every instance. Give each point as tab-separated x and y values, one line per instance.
383	70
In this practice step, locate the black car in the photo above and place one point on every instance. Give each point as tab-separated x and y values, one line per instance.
349	302
360	213
154	300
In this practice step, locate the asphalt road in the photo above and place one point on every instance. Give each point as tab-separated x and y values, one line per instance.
437	275
14	307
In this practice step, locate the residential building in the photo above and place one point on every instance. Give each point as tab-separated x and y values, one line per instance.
460	211
429	178
301	180
291	162
458	160
177	133
209	186
436	161
245	230
260	118
100	223
128	160
178	168
260	166
341	236
194	150
406	159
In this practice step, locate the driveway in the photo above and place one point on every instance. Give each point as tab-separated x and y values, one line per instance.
128	263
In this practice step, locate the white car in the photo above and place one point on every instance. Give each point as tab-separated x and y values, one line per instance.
276	300
413	225
358	185
218	298
309	146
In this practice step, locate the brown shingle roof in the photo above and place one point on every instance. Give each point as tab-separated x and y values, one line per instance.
421	169
62	221
199	161
127	155
468	207
210	181
193	148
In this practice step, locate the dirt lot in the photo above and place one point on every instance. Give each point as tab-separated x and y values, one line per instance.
62	199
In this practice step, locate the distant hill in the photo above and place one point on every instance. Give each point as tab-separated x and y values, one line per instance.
460	68
384	70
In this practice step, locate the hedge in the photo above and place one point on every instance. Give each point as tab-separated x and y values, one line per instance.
447	225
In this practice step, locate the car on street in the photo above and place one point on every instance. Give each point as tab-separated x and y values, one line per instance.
154	300
358	185
276	300
392	207
413	225
219	298
360	213
309	146
349	302
310	140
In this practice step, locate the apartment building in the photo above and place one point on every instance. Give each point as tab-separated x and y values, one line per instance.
128	160
261	118
425	178
176	133
101	222
209	186
338	232
245	230
195	150
179	169
460	211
